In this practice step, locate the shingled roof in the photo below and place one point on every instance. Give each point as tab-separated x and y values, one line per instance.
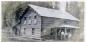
42	11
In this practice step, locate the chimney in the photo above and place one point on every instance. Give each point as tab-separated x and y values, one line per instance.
62	6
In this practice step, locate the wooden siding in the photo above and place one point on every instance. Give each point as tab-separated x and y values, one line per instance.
30	24
48	23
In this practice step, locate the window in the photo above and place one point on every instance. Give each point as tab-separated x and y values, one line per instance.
25	20
65	21
34	21
33	30
29	17
24	30
35	16
29	20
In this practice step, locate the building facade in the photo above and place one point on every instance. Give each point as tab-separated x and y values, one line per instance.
40	22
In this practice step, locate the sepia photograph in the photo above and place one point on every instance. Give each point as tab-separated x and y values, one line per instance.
50	21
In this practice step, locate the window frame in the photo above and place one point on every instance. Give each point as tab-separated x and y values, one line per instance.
33	31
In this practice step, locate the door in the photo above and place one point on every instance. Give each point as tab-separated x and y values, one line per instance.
28	32
36	33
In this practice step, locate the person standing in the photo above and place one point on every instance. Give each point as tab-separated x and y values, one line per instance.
62	35
69	35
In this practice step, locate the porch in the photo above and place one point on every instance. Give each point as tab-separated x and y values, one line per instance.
60	33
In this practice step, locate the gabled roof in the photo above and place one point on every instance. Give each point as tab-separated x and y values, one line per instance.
69	26
42	11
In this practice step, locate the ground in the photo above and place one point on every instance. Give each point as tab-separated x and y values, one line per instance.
8	38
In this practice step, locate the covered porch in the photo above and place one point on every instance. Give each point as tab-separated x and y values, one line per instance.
63	32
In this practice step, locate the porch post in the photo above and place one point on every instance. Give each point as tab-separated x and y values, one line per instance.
65	33
55	33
